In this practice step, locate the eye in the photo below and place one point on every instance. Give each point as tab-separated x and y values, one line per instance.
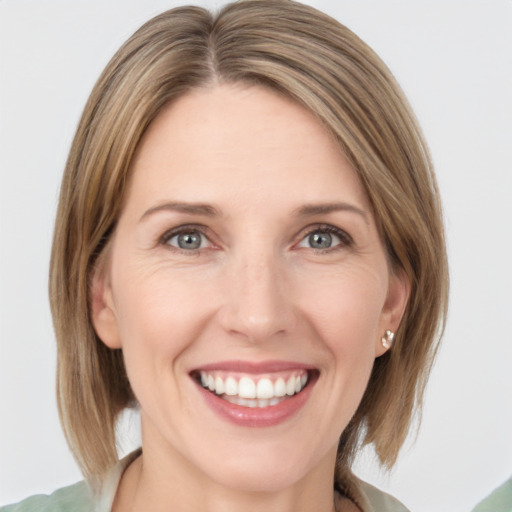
325	238
320	240
186	239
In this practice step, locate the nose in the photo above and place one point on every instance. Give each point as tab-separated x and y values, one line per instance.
258	302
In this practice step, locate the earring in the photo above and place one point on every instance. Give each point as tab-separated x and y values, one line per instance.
387	339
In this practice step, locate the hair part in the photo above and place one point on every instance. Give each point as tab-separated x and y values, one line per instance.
311	58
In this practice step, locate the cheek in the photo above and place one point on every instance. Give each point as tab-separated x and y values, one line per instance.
159	318
345	308
157	314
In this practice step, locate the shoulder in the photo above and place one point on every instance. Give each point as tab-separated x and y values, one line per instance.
499	501
378	500
74	498
77	497
367	497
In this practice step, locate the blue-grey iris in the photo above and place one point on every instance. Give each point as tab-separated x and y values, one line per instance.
320	240
189	240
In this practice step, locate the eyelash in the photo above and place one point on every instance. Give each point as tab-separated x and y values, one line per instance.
345	239
180	230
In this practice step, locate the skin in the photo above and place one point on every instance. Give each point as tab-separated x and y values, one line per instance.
255	291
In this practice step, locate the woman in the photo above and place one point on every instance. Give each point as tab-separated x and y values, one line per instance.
249	248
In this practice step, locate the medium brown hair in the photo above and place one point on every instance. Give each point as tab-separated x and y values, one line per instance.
322	65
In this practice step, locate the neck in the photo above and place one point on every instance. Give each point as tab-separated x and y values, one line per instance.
163	480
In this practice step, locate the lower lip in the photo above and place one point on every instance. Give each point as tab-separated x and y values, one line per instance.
257	416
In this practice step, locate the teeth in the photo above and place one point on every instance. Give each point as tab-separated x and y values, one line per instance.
256	403
231	386
246	388
254	391
265	389
290	386
280	387
219	386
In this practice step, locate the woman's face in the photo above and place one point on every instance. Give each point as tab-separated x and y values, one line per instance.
246	259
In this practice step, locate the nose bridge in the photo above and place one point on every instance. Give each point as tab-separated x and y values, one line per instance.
258	306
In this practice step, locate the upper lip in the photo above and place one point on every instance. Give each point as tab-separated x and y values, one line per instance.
252	367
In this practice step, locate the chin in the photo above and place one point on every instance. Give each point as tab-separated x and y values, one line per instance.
264	467
259	476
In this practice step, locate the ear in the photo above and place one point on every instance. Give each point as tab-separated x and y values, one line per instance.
396	301
102	304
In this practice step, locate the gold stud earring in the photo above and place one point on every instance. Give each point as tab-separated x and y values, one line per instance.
387	339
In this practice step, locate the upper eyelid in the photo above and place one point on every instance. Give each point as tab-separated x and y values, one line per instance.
172	232
324	227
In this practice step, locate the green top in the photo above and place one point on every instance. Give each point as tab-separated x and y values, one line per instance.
499	501
78	498
74	498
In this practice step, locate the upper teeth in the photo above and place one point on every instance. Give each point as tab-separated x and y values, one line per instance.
254	387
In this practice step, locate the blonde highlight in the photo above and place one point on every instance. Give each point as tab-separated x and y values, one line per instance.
322	65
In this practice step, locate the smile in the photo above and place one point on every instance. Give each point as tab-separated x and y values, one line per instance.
254	391
255	395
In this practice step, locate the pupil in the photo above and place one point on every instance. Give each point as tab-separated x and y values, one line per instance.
320	240
189	241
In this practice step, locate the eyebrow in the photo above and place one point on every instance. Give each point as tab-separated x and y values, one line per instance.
208	210
190	208
309	210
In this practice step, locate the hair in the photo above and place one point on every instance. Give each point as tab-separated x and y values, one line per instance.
323	66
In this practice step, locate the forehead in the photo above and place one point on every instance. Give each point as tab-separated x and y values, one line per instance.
241	141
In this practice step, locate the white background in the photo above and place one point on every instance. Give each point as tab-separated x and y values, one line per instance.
454	60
